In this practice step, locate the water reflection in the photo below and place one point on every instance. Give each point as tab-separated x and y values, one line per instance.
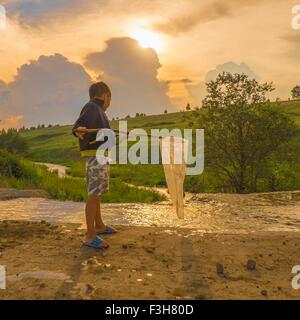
203	213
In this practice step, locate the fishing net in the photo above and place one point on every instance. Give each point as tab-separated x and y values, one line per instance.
173	159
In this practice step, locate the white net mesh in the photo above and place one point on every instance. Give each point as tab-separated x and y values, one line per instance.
173	151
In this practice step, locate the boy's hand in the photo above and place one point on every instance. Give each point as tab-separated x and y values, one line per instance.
81	132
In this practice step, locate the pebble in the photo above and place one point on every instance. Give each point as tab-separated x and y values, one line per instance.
220	269
264	293
251	265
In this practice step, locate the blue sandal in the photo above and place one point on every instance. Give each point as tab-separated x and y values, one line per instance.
97	243
108	230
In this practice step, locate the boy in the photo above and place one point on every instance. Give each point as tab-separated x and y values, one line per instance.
93	116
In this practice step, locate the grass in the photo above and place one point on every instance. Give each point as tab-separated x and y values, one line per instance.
22	174
57	145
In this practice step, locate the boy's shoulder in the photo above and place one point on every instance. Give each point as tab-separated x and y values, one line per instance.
89	105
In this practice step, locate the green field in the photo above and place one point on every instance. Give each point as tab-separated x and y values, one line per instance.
57	145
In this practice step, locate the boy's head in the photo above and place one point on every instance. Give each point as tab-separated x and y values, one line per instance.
100	90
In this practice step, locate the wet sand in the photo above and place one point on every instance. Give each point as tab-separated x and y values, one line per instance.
203	257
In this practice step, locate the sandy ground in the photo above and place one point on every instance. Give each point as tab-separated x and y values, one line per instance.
204	260
46	261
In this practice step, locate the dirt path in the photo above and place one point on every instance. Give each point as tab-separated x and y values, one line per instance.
45	261
155	255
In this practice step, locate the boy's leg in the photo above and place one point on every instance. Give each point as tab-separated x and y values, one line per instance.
97	181
90	213
99	224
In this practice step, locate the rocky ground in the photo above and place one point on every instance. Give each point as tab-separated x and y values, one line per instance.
228	247
46	261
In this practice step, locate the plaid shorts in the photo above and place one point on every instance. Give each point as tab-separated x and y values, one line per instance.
97	176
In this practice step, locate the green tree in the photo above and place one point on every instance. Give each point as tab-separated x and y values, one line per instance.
188	107
12	142
296	92
242	129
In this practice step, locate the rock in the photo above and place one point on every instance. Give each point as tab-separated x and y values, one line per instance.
251	265
89	288
150	250
220	269
92	261
264	293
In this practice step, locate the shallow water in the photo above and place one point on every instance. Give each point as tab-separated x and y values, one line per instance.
61	170
218	213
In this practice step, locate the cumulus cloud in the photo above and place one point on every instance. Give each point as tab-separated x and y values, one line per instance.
132	72
198	91
49	90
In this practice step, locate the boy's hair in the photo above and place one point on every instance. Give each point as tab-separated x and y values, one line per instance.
98	89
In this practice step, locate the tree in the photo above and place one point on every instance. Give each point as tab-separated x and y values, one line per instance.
188	107
12	142
296	92
242	129
166	111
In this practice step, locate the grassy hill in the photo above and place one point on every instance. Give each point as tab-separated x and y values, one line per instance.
57	145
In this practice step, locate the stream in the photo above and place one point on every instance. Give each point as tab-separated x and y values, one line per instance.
205	213
213	213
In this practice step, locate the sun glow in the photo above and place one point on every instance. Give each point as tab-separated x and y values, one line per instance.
147	39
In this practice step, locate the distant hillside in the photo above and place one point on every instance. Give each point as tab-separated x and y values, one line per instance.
57	145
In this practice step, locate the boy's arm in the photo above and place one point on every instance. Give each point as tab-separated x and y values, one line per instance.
79	129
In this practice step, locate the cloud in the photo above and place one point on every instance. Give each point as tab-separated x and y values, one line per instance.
230	67
28	10
198	91
293	48
49	90
132	73
184	80
200	13
11	122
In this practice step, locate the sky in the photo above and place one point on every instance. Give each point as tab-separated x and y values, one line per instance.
155	55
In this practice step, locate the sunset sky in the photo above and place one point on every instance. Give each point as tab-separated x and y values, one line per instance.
156	54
